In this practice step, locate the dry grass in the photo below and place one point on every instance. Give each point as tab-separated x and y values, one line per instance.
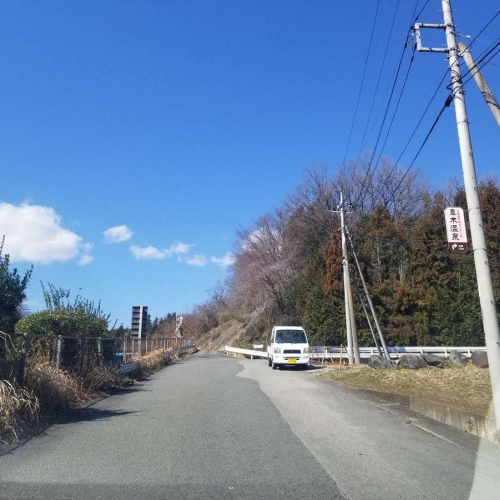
49	390
153	361
466	388
19	409
55	389
101	378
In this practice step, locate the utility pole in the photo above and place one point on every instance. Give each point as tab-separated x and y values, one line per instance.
369	299
352	336
484	282
360	298
487	94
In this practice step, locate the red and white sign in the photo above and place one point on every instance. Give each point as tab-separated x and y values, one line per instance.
455	230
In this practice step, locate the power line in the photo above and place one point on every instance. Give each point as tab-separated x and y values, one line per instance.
368	171
395	111
391	95
484	28
416	128
378	79
421	10
447	103
483	56
362	83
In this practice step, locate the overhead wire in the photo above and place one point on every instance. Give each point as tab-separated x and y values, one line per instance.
479	63
362	83
387	107
484	28
449	100
422	116
447	103
387	43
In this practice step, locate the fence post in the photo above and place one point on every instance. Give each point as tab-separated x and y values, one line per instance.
139	346
124	357
99	348
146	342
83	352
59	350
22	362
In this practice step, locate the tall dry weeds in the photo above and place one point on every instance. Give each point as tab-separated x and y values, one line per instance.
19	409
153	361
55	389
101	377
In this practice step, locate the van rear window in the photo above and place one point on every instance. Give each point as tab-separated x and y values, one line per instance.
291	337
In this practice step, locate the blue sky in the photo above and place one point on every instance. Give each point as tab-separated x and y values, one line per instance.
184	120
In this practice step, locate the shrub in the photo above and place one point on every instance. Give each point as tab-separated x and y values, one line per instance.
62	322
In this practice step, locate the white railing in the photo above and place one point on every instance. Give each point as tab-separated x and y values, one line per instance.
317	352
394	352
247	352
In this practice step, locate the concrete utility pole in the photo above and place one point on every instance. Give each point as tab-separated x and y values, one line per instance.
487	94
369	299
352	336
484	283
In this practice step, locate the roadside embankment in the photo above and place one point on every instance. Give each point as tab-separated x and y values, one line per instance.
459	396
466	388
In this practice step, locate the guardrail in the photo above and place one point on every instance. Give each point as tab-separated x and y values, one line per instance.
394	352
318	352
248	352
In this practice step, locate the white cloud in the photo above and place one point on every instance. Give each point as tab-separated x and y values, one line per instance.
85	259
117	234
196	260
177	248
153	253
147	253
225	261
33	233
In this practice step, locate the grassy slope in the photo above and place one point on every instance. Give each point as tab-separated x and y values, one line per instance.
466	388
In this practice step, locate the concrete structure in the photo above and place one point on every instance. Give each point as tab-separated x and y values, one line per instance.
139	323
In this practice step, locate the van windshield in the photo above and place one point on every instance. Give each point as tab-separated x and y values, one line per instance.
291	337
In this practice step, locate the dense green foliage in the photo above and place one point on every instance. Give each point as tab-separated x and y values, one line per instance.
12	292
80	317
62	322
288	267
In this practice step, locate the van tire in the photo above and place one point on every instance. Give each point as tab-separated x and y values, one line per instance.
269	361
274	366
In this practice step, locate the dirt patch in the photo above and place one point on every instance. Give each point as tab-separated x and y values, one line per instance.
466	388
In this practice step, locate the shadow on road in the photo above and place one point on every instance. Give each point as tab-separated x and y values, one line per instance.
88	415
310	368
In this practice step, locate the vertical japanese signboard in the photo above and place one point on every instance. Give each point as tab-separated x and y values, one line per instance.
455	230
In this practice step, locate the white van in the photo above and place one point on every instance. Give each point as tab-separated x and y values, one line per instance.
288	346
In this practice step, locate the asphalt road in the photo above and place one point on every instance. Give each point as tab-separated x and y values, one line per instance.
213	427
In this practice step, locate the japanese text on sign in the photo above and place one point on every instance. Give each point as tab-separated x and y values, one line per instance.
455	229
